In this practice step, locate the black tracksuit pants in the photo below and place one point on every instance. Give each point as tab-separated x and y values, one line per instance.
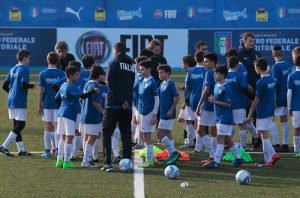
111	118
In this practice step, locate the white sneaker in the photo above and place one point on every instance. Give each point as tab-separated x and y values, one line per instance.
88	165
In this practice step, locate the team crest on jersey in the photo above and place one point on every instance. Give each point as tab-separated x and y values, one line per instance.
271	85
223	42
297	82
220	91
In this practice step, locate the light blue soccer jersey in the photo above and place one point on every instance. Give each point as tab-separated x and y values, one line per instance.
89	114
223	115
17	96
69	94
209	81
147	91
167	92
137	80
194	84
235	80
294	85
265	90
280	72
46	79
85	75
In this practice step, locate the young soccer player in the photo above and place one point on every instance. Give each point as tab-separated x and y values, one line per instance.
224	118
134	124
169	99
47	106
148	104
295	52
68	97
264	104
194	86
256	141
186	116
205	109
16	84
88	62
293	98
239	101
91	115
62	48
280	72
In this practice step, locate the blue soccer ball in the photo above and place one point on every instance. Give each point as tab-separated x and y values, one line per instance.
125	165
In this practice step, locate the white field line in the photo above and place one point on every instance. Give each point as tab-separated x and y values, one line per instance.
139	189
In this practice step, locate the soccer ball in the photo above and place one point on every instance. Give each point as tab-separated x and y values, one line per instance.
125	165
243	177
172	172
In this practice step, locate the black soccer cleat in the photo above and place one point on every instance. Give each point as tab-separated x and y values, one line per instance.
116	160
256	142
277	148
5	152
285	148
24	153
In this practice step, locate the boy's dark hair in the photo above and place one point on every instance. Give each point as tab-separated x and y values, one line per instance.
222	69
231	52
297	60
277	51
88	61
261	63
200	44
232	61
165	67
248	34
52	58
146	64
74	63
22	54
212	57
296	50
97	71
71	70
190	60
154	43
146	52
61	45
139	59
120	47
199	56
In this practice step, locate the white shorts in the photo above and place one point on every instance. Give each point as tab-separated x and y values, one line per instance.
49	115
166	124
223	129
17	114
145	123
264	124
187	114
207	118
77	122
280	111
65	126
91	129
239	116
296	119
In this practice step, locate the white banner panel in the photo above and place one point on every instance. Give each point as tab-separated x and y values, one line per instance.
98	42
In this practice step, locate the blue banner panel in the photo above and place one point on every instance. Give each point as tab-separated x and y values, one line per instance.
220	40
151	14
38	41
53	13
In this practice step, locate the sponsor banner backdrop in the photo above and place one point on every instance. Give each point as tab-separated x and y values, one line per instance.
38	41
99	42
54	13
221	40
151	14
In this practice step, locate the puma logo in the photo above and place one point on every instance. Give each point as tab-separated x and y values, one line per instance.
71	11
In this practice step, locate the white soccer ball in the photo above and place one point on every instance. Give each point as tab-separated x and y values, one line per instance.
243	177
172	172
125	165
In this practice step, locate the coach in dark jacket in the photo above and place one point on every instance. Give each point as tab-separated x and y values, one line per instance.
120	80
247	56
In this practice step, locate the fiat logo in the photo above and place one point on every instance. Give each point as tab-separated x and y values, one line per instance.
94	44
